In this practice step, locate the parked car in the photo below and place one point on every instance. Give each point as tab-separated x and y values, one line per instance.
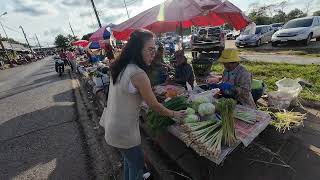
298	30
233	35
277	26
187	42
208	39
261	34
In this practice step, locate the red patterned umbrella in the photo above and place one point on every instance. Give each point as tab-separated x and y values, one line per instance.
82	43
174	14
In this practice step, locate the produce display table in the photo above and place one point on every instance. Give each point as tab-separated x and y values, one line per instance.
245	133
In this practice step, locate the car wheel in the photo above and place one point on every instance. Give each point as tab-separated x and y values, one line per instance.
318	39
274	44
307	41
259	43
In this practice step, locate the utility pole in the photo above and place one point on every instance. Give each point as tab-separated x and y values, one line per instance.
95	11
26	38
6	36
71	29
38	43
125	4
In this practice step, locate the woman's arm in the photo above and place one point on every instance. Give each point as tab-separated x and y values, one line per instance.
142	83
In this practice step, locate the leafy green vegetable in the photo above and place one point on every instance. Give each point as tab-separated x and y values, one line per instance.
159	123
199	100
191	118
206	109
190	111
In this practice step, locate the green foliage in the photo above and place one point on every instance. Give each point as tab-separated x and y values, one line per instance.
296	13
61	41
279	17
272	72
317	13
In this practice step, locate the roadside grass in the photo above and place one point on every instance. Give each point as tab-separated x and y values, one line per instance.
272	72
305	53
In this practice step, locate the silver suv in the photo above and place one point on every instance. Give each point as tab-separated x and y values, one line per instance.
298	30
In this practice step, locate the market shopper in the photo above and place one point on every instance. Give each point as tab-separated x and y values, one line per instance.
129	86
71	56
183	71
236	78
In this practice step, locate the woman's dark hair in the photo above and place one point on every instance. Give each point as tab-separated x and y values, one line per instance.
131	53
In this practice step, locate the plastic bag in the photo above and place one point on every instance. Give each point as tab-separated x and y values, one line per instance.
279	100
290	86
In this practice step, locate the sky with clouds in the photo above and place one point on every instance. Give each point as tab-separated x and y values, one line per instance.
48	18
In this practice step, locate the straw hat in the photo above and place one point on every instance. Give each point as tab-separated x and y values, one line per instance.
229	56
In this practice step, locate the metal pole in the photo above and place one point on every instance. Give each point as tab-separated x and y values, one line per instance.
95	11
6	36
125	4
39	43
71	29
26	38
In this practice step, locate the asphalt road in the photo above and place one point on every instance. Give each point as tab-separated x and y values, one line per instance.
39	135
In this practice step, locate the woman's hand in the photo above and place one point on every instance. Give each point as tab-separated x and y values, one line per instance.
179	114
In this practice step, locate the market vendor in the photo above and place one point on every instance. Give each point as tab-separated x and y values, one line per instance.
236	78
158	73
183	70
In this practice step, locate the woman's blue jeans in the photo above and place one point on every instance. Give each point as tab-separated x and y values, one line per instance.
133	163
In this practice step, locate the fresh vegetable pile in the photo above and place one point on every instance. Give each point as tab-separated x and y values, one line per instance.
206	137
159	123
287	120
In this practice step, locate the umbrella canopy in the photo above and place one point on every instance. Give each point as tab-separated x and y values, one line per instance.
82	43
102	33
173	14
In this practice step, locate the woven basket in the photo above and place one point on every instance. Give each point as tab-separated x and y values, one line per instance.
202	67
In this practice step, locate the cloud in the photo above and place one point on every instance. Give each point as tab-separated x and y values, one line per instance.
32	8
113	18
85	14
79	2
52	31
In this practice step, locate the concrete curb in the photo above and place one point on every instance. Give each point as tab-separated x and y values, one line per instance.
101	163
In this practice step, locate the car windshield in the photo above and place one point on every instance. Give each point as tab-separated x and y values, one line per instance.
258	30
246	31
202	32
213	30
298	23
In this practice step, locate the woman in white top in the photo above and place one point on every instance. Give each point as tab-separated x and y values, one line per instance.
130	86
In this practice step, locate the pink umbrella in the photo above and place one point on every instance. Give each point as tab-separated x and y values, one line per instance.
82	43
174	14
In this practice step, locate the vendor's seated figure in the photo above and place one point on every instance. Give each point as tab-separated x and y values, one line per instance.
236	80
158	73
183	70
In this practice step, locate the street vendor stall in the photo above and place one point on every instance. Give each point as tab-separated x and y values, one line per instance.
203	126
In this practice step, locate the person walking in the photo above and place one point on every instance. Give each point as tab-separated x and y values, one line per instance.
72	60
129	86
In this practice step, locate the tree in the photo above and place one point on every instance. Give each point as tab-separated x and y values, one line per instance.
279	17
308	5
259	18
71	38
86	36
317	13
61	41
296	13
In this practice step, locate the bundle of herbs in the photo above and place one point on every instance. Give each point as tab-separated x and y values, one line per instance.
226	109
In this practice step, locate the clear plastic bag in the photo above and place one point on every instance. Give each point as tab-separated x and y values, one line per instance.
290	86
279	100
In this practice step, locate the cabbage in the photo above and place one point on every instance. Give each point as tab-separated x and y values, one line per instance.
190	111
199	100
206	109
191	118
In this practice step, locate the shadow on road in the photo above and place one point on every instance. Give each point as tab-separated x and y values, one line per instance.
35	84
44	143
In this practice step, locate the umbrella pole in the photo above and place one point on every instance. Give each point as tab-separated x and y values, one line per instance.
181	34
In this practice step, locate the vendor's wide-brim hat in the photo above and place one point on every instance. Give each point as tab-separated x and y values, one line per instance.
229	56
